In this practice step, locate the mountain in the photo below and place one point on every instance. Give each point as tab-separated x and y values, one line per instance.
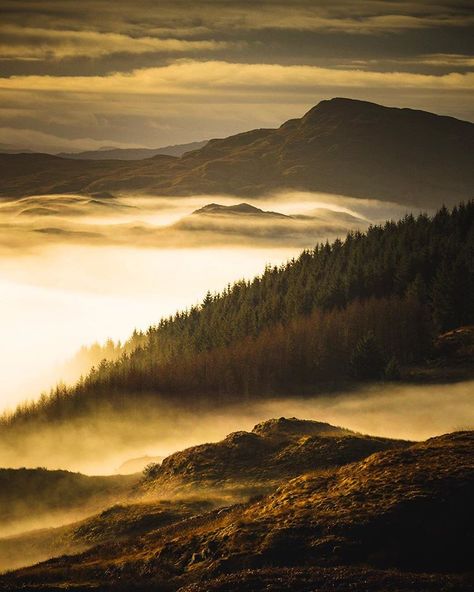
341	146
132	153
406	509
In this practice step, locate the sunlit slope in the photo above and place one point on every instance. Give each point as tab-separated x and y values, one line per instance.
196	479
341	146
406	508
253	462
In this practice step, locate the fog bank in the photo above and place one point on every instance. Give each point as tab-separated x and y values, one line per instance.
101	443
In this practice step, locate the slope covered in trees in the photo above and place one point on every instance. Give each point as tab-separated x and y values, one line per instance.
353	309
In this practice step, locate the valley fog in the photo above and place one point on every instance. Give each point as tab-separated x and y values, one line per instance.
75	270
101	443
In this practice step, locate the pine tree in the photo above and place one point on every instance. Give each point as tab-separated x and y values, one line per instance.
367	361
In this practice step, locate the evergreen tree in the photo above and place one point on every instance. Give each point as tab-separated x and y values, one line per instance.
367	360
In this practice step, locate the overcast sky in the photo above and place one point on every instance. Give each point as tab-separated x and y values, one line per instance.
81	74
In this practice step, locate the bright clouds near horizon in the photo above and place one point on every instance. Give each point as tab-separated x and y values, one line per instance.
141	74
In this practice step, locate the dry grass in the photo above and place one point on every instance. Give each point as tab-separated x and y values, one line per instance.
407	508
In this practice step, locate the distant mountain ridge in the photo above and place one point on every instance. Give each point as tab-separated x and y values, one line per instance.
132	153
341	146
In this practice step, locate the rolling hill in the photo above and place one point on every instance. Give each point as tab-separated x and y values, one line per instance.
188	483
407	509
254	462
341	146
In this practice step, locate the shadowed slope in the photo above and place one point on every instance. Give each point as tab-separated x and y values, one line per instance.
29	497
335	579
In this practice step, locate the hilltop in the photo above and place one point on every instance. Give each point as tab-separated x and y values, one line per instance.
341	146
406	509
253	462
242	209
243	221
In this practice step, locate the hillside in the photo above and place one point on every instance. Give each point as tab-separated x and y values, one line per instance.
341	146
33	497
331	579
407	509
192	481
246	463
115	523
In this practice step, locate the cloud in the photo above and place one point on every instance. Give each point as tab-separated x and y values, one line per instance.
28	43
115	70
436	60
41	141
189	77
363	16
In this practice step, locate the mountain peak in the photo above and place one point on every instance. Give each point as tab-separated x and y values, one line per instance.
340	106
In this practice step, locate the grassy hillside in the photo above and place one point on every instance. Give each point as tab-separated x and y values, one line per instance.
247	463
407	509
196	480
341	146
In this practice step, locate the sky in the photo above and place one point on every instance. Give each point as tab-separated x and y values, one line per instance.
84	74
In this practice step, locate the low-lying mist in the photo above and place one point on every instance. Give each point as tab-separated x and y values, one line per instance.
101	443
79	269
